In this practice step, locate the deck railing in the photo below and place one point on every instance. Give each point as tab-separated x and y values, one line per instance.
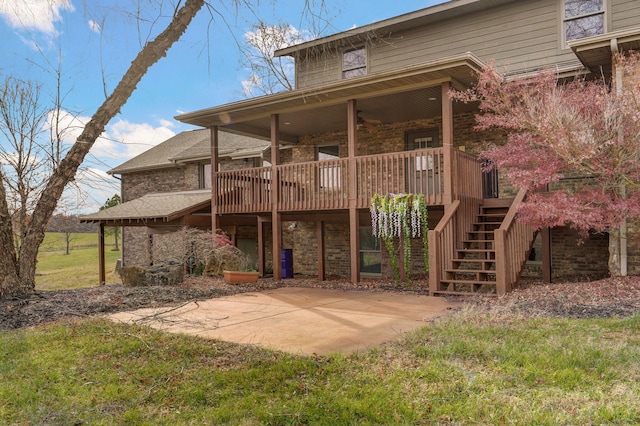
244	191
324	185
420	171
468	189
513	241
442	240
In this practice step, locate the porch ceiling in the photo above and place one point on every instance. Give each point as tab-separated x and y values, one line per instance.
595	52
409	94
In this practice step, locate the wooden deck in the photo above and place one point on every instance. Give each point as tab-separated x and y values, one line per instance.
473	250
324	185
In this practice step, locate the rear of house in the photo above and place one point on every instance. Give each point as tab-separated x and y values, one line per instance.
371	115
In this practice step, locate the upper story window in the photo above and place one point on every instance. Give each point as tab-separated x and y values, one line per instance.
354	62
583	18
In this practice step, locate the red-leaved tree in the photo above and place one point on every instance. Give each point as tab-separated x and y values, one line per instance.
579	138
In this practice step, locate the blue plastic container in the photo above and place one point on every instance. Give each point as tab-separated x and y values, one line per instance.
286	256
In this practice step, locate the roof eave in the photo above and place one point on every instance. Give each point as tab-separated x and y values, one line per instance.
451	8
115	171
220	115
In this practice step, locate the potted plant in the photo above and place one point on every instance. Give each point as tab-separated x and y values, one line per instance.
240	277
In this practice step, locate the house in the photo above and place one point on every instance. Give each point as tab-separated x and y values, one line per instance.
168	187
370	115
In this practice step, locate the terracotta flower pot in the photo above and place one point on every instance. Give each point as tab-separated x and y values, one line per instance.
237	277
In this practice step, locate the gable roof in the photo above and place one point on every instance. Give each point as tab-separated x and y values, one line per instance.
156	207
192	145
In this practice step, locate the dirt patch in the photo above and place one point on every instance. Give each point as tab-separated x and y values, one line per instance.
604	298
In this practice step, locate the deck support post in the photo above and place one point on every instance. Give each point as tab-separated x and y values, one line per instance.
546	254
354	220
261	257
276	217
101	263
215	223
447	143
320	244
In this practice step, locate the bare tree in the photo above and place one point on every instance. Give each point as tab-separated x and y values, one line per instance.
22	116
269	74
17	266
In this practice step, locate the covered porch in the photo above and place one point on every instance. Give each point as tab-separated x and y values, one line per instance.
348	112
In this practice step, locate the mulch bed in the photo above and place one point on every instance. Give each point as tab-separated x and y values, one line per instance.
603	298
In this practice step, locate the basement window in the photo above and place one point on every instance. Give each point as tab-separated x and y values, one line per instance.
370	258
354	63
583	18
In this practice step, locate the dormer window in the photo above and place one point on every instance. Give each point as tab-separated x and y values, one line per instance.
354	63
583	18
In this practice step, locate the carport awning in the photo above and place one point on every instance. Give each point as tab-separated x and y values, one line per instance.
153	208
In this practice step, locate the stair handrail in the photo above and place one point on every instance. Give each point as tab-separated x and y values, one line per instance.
513	241
441	246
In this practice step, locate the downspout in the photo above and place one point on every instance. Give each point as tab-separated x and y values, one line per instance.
623	188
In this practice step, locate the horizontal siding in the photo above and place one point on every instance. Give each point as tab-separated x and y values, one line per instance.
624	14
318	70
520	36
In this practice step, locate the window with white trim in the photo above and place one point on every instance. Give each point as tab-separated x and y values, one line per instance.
583	18
354	63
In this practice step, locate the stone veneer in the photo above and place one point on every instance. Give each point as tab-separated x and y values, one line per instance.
569	258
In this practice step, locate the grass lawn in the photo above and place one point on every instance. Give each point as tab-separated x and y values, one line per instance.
79	268
468	369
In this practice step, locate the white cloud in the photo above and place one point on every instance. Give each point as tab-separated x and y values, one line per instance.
167	123
93	187
38	15
94	26
139	137
122	140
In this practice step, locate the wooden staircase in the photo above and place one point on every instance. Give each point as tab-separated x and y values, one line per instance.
473	268
479	250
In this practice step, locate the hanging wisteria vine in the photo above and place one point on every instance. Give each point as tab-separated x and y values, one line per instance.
400	216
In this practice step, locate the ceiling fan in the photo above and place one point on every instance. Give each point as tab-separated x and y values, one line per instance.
366	121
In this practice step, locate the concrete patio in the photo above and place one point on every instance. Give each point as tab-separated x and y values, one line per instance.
299	320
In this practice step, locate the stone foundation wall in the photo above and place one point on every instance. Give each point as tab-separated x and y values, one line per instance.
576	258
633	246
135	246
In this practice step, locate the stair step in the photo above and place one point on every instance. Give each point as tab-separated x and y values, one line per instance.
470	271
463	293
474	250
469	282
458	260
469	287
492	216
494	203
479	242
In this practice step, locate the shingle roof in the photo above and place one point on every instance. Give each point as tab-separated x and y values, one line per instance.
185	146
164	207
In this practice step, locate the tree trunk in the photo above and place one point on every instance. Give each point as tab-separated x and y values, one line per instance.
116	234
67	240
614	252
152	52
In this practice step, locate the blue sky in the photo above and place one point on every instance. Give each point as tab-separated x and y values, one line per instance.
92	39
